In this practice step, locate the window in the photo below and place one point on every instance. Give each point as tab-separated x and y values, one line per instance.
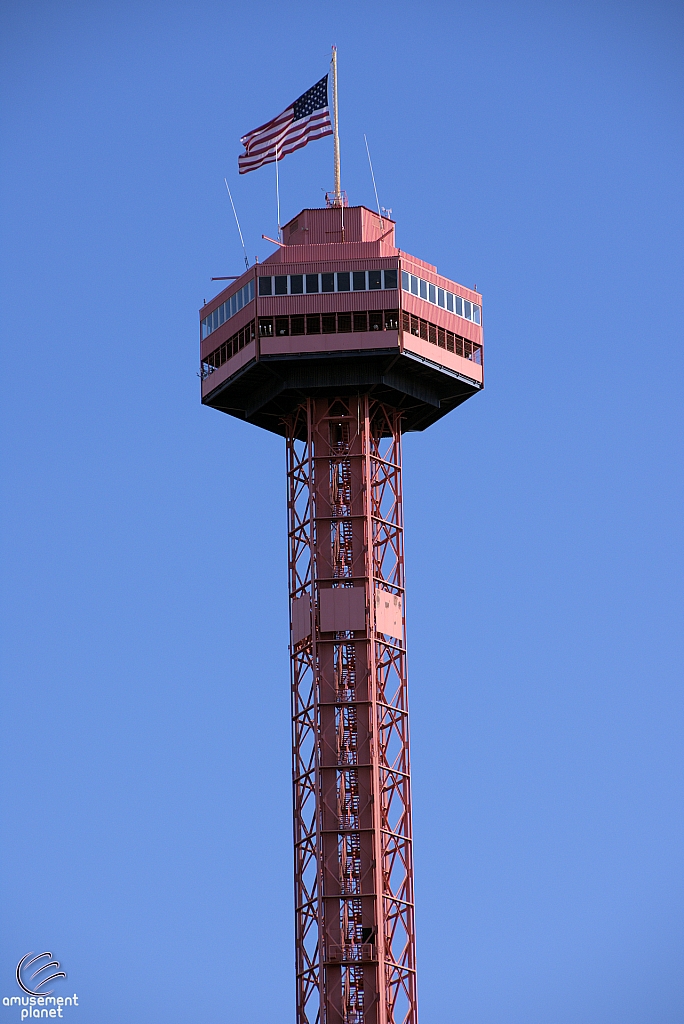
282	325
343	282
344	323
328	323
311	283
265	325
327	282
375	321
227	309
392	319
313	324
359	277
296	284
390	278
360	322
296	325
264	286
438	296
374	279
281	286
228	349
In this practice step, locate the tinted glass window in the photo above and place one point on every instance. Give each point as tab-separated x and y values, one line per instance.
344	323
404	279
459	305
432	293
282	325
476	313
312	283
222	314
240	297
390	279
450	301
440	296
329	323
265	286
327	282
468	310
297	325
423	289
359	280
414	285
281	286
296	285
313	324
343	282
233	305
392	319
374	279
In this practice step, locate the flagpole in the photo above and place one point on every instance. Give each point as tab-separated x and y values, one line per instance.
277	192
337	193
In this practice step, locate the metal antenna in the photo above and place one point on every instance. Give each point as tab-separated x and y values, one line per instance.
370	164
337	190
238	224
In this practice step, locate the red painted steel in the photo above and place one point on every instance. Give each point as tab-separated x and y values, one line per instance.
342	397
355	941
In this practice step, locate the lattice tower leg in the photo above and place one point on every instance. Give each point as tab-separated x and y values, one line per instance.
354	923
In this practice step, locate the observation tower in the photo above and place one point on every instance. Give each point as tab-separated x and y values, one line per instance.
340	342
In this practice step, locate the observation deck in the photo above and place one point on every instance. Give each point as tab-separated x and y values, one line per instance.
338	309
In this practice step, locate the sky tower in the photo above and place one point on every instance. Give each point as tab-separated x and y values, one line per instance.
340	342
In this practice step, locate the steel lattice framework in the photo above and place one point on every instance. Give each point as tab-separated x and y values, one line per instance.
355	940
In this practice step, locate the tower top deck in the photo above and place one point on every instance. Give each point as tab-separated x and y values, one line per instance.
338	309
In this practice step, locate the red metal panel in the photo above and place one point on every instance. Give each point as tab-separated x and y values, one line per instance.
352	342
330	251
228	369
467	367
355	942
328	302
320	226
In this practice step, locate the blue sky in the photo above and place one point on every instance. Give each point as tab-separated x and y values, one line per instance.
532	149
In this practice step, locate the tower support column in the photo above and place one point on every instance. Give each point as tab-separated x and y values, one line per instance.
354	923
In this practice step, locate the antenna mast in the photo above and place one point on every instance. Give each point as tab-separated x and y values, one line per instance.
337	190
238	224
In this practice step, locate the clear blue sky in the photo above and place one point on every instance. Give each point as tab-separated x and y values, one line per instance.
532	149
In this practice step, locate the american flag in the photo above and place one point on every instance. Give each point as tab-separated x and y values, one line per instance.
306	119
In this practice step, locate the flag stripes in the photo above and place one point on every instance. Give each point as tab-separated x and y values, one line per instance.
308	118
